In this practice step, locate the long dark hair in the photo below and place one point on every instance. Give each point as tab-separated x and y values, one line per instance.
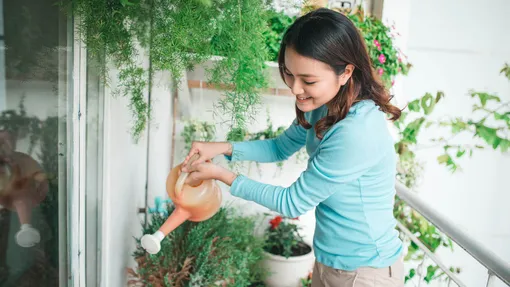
330	37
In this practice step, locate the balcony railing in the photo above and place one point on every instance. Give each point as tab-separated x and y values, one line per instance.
495	265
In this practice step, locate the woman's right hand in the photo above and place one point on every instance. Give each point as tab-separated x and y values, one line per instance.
207	151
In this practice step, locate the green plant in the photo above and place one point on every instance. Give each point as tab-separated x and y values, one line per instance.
177	35
20	125
197	131
277	22
307	282
489	124
221	249
282	238
388	61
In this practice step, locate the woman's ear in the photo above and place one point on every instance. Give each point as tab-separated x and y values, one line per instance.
346	75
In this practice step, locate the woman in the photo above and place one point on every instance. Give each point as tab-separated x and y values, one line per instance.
350	177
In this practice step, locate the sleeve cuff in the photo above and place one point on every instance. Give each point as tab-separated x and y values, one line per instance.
237	152
235	188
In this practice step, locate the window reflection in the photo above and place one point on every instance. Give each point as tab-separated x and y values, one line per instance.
33	55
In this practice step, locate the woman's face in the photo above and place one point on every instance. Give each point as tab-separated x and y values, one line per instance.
313	82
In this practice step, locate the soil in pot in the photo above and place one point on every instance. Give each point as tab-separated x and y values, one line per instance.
300	249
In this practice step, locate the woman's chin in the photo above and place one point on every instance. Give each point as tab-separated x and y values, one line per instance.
308	107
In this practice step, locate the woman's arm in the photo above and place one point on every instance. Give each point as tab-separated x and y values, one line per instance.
346	153
270	150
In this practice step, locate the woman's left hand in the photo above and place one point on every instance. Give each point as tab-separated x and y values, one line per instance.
209	170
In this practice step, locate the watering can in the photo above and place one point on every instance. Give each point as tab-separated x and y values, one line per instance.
23	186
197	202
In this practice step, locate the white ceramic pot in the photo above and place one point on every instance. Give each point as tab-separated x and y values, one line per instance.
287	272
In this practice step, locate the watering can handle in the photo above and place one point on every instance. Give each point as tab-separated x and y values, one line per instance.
182	177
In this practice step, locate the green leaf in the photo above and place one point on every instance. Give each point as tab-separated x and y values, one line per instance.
489	135
506	71
439	96
431	271
412	129
428	103
460	153
458	126
484	97
443	158
414	105
504	145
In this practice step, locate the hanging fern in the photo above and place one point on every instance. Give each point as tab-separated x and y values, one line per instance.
178	35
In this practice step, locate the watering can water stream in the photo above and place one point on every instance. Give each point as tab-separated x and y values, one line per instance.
194	203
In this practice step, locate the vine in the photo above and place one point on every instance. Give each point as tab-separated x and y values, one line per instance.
496	135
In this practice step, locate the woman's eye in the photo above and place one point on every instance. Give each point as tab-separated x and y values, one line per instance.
309	83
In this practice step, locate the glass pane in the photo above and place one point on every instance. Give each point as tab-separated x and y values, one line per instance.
33	110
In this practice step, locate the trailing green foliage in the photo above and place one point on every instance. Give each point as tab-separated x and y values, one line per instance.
221	249
489	123
177	35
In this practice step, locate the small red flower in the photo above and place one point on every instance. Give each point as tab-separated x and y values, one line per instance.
275	222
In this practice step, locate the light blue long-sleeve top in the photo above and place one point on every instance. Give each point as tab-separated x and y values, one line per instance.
350	179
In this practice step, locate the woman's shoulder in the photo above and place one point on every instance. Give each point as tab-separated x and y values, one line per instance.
364	119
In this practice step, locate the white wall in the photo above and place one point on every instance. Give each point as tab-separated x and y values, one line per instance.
456	46
124	183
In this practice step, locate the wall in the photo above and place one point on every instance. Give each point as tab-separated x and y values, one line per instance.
456	46
124	183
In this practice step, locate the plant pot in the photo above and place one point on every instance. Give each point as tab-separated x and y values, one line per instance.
287	272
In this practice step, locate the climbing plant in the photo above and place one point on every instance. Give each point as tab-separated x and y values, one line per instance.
176	35
489	125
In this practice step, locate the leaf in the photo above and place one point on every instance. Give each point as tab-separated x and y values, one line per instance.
460	153
503	117
428	103
439	96
489	135
414	105
484	97
443	158
412	129
506	71
504	145
458	125
431	271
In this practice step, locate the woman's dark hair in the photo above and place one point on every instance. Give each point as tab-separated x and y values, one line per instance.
330	37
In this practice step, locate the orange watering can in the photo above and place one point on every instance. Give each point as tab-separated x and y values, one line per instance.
23	186
192	202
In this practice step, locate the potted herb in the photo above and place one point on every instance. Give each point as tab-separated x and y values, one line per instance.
289	258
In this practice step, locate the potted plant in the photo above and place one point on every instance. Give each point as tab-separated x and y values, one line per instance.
220	251
289	258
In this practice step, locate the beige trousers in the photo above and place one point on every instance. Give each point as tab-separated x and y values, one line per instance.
392	276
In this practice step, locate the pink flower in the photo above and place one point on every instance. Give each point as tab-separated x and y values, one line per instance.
381	71
399	59
377	43
382	59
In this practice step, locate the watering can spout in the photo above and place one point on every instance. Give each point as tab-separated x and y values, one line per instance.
194	203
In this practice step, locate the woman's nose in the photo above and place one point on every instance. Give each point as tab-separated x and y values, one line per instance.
296	88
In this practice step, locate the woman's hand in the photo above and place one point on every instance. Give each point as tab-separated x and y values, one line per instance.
207	151
209	170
